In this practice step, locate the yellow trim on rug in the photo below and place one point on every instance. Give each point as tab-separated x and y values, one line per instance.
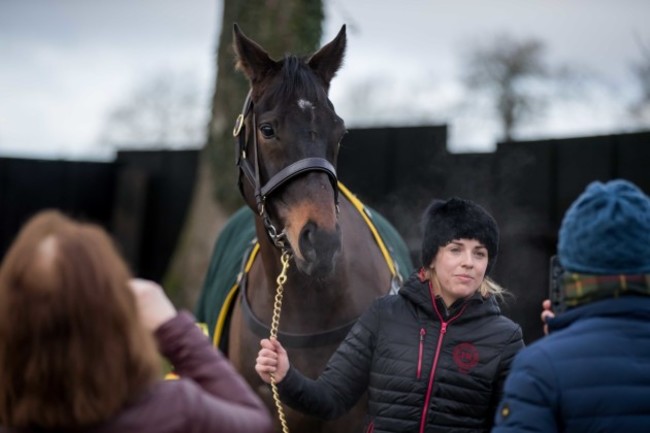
225	308
362	210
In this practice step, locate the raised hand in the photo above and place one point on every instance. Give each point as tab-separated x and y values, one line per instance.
153	305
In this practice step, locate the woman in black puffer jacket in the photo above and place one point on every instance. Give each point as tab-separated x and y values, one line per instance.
434	357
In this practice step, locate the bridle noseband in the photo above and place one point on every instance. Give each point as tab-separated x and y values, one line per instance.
251	171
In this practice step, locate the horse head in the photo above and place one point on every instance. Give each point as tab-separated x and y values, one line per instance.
289	136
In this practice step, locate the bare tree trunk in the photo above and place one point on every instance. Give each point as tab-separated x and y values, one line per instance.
280	26
184	277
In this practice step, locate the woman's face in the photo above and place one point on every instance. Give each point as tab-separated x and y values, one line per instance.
460	267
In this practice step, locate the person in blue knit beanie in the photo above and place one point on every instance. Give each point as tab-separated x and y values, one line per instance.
592	372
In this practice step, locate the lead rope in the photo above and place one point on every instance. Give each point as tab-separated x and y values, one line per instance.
275	323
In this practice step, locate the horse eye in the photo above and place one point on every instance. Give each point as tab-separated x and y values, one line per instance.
267	130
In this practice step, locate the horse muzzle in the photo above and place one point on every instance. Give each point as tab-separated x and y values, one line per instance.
319	249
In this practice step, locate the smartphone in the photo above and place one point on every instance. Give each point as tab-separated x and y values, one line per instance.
555	292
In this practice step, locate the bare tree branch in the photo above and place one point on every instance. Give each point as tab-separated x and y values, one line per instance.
162	111
640	108
514	75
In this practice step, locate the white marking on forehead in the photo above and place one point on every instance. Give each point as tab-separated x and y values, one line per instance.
305	104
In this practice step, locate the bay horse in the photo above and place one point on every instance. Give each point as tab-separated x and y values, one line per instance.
288	139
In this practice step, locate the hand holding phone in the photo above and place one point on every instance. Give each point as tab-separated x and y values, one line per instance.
547	313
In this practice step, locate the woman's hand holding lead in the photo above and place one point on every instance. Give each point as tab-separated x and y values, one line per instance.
272	359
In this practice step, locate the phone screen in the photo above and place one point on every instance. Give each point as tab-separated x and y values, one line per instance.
556	294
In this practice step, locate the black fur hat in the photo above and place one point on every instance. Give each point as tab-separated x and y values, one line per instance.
456	218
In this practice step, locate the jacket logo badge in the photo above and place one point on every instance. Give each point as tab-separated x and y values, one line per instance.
465	357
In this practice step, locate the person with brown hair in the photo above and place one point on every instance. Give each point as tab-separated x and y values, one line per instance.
78	339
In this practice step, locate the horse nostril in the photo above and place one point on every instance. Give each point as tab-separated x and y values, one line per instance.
307	241
318	246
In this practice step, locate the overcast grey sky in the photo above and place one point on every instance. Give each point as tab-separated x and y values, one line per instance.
65	64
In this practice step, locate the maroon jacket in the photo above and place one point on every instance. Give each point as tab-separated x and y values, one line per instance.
210	395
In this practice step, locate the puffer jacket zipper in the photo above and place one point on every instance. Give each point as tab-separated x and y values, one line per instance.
432	374
423	332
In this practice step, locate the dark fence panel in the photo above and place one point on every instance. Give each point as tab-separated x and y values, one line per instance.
527	186
579	162
165	182
544	178
80	189
143	197
396	171
360	170
633	158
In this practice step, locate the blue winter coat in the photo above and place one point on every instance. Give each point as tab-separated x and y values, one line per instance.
591	374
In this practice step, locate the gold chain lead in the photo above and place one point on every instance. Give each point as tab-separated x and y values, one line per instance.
275	323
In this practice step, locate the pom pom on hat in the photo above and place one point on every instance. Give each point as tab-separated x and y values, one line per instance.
606	231
456	218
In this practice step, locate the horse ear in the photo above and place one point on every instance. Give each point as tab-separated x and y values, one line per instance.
251	58
328	60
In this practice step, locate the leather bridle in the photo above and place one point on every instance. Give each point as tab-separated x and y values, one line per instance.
251	171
